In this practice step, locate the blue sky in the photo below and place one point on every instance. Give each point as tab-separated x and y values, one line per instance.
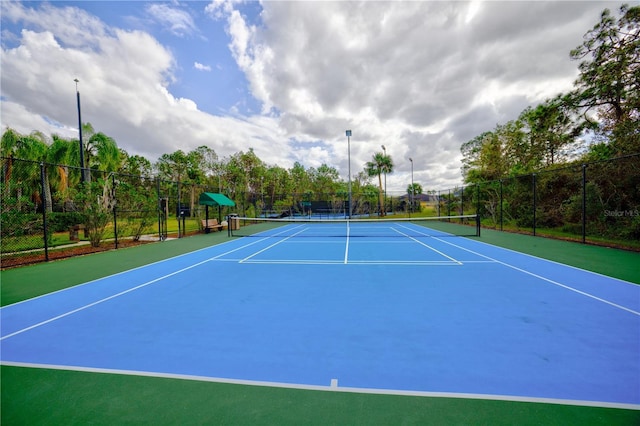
193	37
286	79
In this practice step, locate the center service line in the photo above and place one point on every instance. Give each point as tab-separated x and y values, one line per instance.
346	248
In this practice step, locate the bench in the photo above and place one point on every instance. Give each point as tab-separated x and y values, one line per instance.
210	224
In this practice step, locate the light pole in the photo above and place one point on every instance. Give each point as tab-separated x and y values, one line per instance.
412	189
349	156
82	170
385	183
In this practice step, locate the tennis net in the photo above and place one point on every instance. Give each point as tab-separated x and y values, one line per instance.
442	226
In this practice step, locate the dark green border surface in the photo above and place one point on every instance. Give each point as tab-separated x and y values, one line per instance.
49	397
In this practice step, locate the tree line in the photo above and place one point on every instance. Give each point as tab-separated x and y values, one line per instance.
241	176
571	165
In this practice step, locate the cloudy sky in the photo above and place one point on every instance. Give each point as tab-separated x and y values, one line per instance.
288	78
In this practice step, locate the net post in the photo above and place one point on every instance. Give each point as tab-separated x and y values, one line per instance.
477	225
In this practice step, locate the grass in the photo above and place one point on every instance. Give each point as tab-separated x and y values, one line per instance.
559	233
33	242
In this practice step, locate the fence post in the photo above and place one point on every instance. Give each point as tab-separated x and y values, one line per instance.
584	203
501	205
178	210
115	202
44	212
159	206
534	203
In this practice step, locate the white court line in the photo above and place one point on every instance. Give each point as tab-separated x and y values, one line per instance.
426	245
545	279
352	262
346	247
119	273
332	387
82	308
272	245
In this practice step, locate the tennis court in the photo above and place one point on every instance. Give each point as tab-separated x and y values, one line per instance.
393	307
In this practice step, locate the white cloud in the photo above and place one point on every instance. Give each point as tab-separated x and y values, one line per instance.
124	78
419	77
388	70
178	21
201	67
71	26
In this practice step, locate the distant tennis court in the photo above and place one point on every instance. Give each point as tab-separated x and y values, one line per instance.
397	307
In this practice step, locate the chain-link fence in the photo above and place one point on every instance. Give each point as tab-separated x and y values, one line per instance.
47	211
596	202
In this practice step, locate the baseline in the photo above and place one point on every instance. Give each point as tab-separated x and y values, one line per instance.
332	387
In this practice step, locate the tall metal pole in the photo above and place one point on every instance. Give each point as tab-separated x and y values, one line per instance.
349	155
82	170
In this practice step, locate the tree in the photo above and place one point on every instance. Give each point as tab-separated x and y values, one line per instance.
32	148
551	129
380	164
324	180
102	153
300	178
8	147
484	158
96	200
136	165
242	173
414	189
59	155
276	179
172	166
206	160
300	182
609	80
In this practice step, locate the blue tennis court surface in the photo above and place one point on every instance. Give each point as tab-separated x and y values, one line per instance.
401	314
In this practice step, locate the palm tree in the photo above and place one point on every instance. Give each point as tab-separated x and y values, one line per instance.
8	147
59	155
414	189
102	153
381	164
33	149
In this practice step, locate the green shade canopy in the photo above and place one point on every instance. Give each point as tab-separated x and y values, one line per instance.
213	199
